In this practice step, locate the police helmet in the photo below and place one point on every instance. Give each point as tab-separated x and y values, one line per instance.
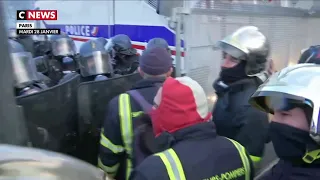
248	44
310	55
12	34
24	68
122	44
289	88
25	40
102	41
29	163
94	59
62	45
158	42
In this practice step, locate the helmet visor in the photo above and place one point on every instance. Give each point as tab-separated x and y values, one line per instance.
24	68
63	47
98	63
274	101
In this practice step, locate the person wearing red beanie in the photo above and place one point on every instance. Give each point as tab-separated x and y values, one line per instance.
187	141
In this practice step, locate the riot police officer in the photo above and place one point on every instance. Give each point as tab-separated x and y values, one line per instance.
94	61
41	45
25	40
61	61
292	96
310	55
26	77
245	54
125	57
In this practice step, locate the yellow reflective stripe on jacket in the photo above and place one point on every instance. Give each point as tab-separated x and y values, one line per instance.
255	159
173	164
126	128
110	170
244	158
136	114
105	142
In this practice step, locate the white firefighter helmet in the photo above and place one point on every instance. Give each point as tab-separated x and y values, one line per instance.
292	86
29	163
249	44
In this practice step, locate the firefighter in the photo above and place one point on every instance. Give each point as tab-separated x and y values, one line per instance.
292	96
245	54
116	156
187	141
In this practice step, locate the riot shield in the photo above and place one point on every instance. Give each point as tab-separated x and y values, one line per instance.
93	98
51	116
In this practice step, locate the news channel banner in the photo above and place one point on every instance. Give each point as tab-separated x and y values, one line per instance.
28	28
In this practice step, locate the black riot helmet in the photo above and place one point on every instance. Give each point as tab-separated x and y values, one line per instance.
25	40
310	55
12	34
24	68
42	45
122	45
158	42
102	40
19	162
62	45
94	59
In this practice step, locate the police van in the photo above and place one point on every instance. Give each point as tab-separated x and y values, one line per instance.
84	20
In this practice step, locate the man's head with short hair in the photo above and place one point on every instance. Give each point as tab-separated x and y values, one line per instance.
155	62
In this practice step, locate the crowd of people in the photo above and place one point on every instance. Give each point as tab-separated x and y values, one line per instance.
163	128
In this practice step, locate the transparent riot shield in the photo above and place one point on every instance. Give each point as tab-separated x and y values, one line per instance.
51	116
93	98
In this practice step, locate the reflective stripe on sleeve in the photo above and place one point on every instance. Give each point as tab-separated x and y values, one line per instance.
105	142
110	170
126	128
255	159
136	114
172	164
244	158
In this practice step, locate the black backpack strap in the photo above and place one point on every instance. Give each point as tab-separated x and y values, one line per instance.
146	106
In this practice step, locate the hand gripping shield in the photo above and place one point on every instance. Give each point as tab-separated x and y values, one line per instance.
291	87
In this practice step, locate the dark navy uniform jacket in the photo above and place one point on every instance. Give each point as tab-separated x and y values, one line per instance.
113	156
235	118
203	155
287	171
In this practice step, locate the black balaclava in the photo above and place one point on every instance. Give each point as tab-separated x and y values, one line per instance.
236	73
290	143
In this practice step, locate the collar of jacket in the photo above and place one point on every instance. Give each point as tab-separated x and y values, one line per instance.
240	85
149	82
199	131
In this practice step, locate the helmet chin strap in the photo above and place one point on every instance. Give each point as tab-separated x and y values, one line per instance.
263	76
